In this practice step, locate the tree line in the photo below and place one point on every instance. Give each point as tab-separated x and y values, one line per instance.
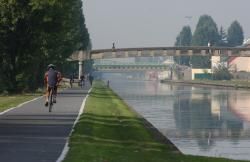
35	33
207	32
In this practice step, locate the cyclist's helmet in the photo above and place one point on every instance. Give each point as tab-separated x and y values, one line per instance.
51	66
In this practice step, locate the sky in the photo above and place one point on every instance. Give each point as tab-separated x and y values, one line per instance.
156	23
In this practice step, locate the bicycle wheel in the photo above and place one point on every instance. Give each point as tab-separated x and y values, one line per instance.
51	99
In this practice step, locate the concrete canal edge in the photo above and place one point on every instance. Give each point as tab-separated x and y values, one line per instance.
157	135
221	84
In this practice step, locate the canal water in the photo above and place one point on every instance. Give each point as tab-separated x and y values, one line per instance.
198	120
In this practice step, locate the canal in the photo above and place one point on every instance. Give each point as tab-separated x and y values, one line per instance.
202	121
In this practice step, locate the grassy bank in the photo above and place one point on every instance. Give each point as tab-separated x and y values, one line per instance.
7	102
109	131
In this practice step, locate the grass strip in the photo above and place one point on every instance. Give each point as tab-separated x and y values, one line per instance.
7	102
109	131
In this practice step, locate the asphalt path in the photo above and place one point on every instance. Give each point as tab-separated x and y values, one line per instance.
31	133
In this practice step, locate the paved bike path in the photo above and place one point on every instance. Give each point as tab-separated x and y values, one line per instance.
32	134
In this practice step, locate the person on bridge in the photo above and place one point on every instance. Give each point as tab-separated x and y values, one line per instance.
52	79
113	46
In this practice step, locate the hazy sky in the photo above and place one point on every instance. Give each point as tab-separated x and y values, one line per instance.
148	23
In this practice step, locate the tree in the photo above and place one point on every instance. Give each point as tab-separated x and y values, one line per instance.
235	34
222	37
206	31
184	39
34	33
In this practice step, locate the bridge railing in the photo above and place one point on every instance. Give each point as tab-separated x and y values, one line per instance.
170	51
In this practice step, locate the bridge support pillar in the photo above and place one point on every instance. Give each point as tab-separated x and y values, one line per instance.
80	69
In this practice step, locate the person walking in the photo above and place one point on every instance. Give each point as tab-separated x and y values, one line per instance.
91	78
71	80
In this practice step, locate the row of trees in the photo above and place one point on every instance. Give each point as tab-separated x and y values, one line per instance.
34	33
207	32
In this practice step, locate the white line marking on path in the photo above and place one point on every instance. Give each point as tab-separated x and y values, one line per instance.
66	146
20	105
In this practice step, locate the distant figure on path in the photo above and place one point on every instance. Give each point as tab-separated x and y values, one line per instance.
91	78
108	83
71	80
82	80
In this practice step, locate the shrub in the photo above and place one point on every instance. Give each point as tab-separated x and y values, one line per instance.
222	73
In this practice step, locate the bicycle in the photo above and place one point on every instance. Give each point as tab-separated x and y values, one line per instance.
51	97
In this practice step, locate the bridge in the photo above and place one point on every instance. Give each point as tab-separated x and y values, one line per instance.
170	51
133	67
160	51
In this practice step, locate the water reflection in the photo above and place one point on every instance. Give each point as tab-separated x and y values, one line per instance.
239	104
204	115
198	120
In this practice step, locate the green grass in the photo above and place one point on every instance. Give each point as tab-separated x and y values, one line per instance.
7	102
109	131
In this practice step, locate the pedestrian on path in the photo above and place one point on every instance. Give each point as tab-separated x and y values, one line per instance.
91	78
82	81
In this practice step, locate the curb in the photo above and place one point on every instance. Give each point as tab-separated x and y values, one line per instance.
220	85
20	105
66	146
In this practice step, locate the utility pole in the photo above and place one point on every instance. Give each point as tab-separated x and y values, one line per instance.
189	19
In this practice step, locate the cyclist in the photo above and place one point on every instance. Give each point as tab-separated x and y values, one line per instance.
52	78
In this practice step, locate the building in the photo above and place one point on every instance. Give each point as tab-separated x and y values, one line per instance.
192	74
240	64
